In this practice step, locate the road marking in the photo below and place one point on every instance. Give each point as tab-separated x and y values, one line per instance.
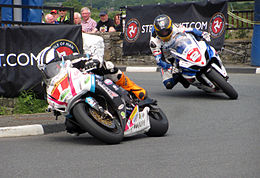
141	69
26	130
257	70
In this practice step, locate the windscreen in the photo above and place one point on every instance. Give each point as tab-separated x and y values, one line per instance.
181	41
52	69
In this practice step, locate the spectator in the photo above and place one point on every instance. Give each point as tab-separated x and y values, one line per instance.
55	14
77	18
49	19
105	24
117	21
88	24
63	19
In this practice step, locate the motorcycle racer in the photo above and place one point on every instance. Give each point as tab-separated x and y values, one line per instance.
93	47
93	57
162	38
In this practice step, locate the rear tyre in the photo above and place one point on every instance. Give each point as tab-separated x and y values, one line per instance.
158	121
220	82
108	130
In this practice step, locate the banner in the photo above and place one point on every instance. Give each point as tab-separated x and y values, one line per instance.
209	16
19	47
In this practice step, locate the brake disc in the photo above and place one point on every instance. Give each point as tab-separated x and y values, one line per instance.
104	120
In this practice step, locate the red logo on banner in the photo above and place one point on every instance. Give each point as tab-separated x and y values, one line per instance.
132	30
65	47
217	25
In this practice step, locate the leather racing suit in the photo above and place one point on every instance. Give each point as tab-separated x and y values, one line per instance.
159	48
93	45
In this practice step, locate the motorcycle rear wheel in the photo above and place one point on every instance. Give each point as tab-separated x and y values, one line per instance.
89	122
159	122
222	83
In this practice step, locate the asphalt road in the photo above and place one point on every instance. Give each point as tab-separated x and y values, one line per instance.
209	136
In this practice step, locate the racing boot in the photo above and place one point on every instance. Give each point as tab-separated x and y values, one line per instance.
72	127
129	85
185	83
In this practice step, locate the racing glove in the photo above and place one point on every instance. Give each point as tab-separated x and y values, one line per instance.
162	63
206	36
198	33
94	63
173	70
79	63
78	60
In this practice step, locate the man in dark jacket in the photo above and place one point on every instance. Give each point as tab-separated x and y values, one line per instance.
105	24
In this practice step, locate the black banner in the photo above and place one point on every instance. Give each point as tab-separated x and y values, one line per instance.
19	47
207	16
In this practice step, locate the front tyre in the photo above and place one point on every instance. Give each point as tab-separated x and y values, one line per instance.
158	121
218	80
108	130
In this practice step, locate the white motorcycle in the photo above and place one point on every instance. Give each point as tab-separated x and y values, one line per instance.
96	105
198	64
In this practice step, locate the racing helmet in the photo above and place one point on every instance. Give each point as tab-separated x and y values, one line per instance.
163	27
47	55
49	62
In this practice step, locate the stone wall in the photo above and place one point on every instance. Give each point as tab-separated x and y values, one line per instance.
7	105
114	51
234	51
237	51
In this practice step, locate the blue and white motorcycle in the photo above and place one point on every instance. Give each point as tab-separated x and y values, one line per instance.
96	105
198	64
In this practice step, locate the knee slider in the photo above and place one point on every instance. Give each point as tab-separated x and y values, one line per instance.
170	83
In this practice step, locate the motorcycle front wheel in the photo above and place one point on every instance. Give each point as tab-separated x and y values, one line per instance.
107	129
222	83
159	122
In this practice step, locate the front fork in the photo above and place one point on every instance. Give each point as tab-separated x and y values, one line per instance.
94	104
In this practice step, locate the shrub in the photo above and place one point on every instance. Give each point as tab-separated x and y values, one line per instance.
27	103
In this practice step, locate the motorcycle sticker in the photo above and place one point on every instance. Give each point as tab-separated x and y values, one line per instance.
64	94
108	82
90	101
134	115
123	114
137	122
110	92
194	55
59	86
121	107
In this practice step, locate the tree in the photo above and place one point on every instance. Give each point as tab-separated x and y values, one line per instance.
73	3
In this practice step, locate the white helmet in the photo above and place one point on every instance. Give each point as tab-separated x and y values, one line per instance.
47	57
